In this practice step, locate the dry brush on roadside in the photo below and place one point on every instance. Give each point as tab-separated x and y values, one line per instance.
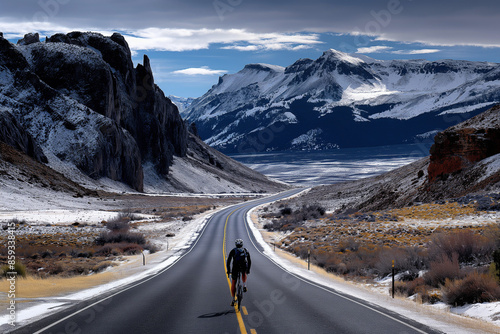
439	249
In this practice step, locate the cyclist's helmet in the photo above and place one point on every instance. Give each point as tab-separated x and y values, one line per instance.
238	243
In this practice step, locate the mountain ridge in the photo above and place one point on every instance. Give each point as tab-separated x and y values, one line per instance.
315	96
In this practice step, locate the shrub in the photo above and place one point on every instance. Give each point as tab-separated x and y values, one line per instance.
118	225
417	287
107	250
441	270
102	266
131	249
119	237
311	212
466	244
405	259
289	219
19	269
492	232
474	288
348	244
407	289
331	262
495	266
152	248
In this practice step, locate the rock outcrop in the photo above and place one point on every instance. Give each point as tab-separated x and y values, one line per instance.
463	145
29	39
80	97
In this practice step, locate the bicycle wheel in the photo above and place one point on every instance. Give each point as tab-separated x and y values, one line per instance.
239	292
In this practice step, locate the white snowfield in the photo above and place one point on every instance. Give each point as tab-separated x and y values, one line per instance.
439	316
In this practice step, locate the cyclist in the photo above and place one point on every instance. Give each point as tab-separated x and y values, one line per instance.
241	263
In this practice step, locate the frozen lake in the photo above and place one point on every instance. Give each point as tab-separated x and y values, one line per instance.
314	168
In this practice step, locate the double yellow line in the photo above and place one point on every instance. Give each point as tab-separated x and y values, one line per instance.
243	330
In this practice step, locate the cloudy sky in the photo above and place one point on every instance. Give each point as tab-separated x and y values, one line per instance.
193	42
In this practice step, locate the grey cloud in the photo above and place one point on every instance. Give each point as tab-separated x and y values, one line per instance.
439	22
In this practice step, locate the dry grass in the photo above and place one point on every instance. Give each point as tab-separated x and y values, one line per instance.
36	287
432	211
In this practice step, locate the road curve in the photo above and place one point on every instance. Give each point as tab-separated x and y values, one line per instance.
192	296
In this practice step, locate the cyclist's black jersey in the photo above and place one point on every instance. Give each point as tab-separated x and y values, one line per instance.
236	268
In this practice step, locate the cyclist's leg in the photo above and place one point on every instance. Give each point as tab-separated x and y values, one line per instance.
244	280
233	288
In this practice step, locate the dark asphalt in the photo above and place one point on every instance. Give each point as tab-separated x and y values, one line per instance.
192	296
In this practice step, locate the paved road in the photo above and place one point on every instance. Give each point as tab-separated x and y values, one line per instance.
192	296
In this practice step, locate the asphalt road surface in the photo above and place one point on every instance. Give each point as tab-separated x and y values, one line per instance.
192	296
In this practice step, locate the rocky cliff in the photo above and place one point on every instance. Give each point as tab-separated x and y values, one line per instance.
78	99
463	145
12	133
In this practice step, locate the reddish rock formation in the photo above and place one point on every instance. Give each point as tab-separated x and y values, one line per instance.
462	145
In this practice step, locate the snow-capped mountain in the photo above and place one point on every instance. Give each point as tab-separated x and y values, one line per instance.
182	103
341	100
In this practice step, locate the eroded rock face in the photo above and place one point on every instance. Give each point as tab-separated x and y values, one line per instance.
79	96
465	144
29	39
13	134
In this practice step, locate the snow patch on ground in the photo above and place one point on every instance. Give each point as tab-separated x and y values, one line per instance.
58	216
492	166
190	177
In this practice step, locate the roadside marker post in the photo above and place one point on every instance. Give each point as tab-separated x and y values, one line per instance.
392	278
308	259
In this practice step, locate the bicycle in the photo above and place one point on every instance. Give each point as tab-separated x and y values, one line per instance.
239	290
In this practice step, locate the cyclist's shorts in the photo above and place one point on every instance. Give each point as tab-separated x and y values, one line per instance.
234	273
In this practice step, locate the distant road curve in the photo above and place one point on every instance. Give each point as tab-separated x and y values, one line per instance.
192	296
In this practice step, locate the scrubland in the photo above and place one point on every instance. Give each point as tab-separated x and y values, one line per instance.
444	251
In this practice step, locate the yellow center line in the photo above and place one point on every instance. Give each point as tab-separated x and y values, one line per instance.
243	330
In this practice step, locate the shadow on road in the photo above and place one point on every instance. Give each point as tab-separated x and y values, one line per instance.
216	314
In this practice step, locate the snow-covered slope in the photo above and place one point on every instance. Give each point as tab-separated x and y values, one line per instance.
343	99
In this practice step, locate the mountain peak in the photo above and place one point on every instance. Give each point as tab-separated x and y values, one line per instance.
342	56
264	67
